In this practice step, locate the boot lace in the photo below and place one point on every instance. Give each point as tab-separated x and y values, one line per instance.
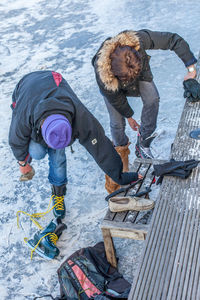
58	202
52	237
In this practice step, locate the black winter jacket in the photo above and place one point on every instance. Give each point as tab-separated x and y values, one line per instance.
40	94
112	88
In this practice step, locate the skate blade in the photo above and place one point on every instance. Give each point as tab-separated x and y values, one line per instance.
38	250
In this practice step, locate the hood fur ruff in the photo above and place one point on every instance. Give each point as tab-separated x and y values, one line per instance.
128	38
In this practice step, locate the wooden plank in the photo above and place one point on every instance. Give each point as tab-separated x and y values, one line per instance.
109	215
174	220
184	256
153	161
109	247
162	237
128	234
124	226
170	266
126	230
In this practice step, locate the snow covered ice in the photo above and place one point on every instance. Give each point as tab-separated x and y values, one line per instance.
63	36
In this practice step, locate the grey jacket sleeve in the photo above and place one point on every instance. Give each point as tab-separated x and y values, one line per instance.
167	41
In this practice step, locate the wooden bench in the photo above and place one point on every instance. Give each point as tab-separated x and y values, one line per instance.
170	264
125	224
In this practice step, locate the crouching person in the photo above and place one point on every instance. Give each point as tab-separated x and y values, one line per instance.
47	117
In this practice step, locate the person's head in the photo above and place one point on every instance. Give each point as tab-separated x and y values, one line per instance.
125	63
56	131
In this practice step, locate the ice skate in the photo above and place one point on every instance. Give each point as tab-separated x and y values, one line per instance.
142	147
44	242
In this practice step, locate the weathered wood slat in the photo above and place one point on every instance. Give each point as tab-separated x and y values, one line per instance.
154	161
109	247
126	230
170	265
123	226
128	234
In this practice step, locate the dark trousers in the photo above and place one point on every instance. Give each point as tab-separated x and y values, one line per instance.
150	98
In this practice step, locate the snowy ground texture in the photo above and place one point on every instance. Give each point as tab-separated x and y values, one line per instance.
63	36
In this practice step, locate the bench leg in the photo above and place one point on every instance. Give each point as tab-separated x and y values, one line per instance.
109	247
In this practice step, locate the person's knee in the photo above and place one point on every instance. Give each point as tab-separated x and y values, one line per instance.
152	104
118	124
37	151
117	127
38	155
57	157
149	93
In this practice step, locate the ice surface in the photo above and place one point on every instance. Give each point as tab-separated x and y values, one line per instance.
63	36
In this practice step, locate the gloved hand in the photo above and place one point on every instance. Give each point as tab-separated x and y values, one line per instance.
192	90
27	172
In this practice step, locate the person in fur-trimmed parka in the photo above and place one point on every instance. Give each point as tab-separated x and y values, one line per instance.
122	69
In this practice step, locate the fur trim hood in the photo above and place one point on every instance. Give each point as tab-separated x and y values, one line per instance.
103	62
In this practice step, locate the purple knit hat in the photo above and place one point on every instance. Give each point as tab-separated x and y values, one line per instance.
57	131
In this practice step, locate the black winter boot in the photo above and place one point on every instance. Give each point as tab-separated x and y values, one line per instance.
58	193
142	147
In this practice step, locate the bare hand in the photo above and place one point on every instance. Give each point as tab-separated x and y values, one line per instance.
134	125
26	169
191	75
140	176
27	173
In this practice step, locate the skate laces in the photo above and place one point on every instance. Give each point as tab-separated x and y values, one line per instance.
59	205
59	202
31	217
53	239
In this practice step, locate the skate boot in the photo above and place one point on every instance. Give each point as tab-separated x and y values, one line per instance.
142	147
58	193
44	242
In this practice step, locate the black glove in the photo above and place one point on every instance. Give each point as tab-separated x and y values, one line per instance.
192	90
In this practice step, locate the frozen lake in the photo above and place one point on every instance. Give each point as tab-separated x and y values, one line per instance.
63	36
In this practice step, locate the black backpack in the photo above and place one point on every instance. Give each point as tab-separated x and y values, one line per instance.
86	274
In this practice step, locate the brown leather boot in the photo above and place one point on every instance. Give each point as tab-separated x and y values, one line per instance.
124	152
111	185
